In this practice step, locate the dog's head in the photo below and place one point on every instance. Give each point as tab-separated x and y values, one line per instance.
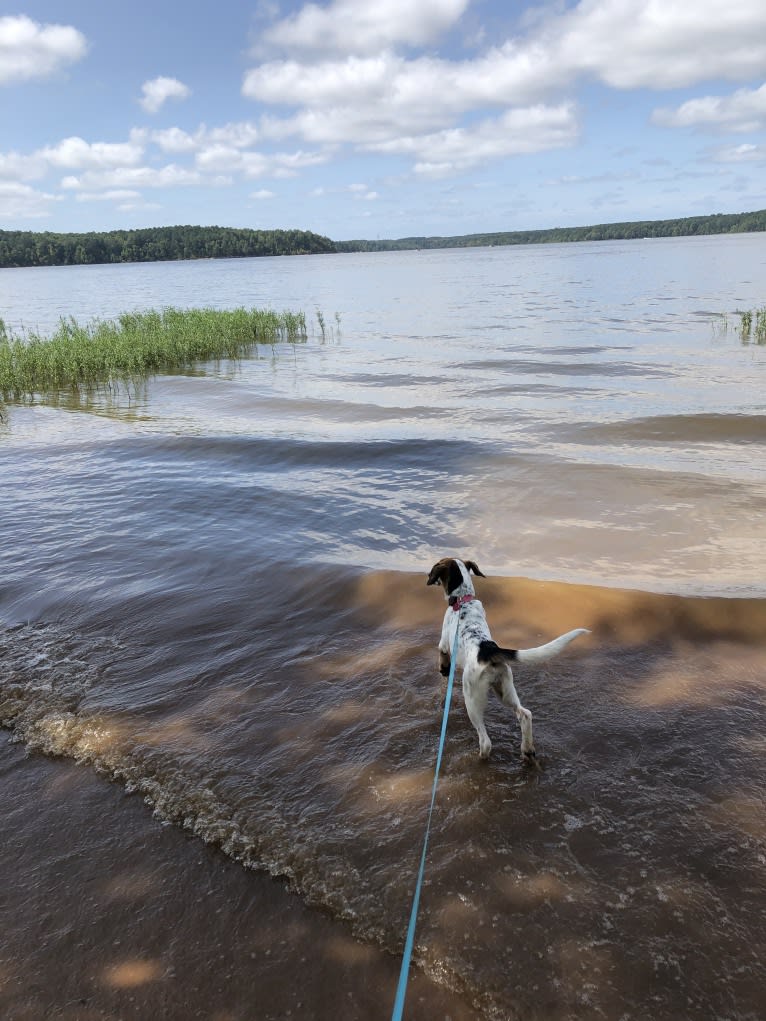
454	574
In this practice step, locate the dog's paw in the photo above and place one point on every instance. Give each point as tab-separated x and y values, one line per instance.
484	749
529	757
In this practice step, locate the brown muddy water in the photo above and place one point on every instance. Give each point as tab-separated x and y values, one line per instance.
212	594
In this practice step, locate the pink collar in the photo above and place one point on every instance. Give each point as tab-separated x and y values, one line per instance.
457	601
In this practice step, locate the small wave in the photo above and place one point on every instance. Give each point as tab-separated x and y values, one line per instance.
696	428
612	369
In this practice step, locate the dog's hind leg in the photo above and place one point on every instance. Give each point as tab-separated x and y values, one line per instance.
475	697
524	716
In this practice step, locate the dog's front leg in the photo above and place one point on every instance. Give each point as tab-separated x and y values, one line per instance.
445	659
445	662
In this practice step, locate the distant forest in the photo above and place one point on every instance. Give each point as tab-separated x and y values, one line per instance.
157	244
718	223
154	244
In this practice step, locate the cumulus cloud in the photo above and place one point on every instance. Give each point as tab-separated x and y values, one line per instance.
744	110
30	50
157	91
622	43
76	153
746	153
235	135
114	195
659	44
348	26
19	167
219	157
20	201
371	100
349	85
169	176
424	90
515	132
262	193
175	140
72	153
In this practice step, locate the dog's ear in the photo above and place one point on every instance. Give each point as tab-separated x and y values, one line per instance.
473	566
438	573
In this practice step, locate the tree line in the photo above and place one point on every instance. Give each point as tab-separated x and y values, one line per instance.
154	244
159	244
717	223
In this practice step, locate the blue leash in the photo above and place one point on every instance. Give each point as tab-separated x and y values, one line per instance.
401	989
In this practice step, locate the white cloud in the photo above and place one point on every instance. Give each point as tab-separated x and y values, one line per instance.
746	153
239	134
744	110
30	50
514	133
351	26
370	99
16	166
251	164
263	193
387	88
175	140
214	158
157	91
72	153
362	79
169	176
623	43
76	153
235	135
115	195
660	44
361	191
20	201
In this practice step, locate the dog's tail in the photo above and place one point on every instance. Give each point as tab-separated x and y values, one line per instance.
490	652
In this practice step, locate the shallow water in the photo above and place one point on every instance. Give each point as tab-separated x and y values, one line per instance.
213	591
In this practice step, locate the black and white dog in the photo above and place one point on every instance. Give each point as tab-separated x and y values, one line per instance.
485	664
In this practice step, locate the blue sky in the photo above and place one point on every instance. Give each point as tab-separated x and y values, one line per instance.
379	118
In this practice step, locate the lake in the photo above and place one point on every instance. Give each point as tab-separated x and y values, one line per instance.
213	593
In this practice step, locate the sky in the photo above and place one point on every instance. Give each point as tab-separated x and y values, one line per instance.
379	118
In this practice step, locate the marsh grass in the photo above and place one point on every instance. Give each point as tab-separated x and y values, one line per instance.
753	325
136	345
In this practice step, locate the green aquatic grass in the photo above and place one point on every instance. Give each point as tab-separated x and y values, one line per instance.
134	346
753	325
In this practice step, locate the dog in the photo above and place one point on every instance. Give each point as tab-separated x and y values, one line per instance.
485	664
